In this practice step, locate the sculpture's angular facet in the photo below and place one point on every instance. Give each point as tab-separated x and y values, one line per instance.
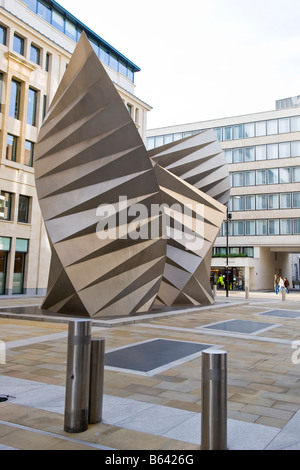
97	187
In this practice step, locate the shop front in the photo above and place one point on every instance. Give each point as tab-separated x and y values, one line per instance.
236	278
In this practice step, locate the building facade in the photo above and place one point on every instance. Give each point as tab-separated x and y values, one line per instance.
263	155
37	39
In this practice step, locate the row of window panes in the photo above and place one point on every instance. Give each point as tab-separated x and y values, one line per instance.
11	150
267	176
247	250
23	207
264	202
261	227
67	27
239	131
263	152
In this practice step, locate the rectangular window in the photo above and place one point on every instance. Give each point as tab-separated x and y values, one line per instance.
23	210
272	151
295	149
29	146
284	149
32	106
249	129
273	201
237	155
1	89
296	200
44	11
261	152
284	175
261	201
7	204
113	63
70	30
238	227
249	178
272	127
2	35
18	44
227	133
11	147
238	131
260	128
238	179
296	174
31	4
228	155
35	54
283	125
249	154
14	102
273	176
58	21
285	226
297	226
249	227
104	56
285	200
295	123
274	227
218	131
238	203
261	177
47	65
249	203
261	227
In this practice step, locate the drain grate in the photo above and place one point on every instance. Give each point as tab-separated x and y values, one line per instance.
241	326
282	313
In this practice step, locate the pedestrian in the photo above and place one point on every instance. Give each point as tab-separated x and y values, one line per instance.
221	282
276	287
281	285
286	285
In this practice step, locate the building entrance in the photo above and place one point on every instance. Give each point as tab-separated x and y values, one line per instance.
236	278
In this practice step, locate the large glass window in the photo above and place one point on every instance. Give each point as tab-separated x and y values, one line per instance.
238	203
58	20
44	11
285	200
249	203
23	210
261	152
35	54
285	226
274	227
227	133
296	200
113	63
70	30
238	131
238	179
218	131
249	154
284	175
284	150
261	201
14	102
273	176
19	267
238	227
237	155
261	177
296	174
228	155
273	201
295	124
297	226
295	149
249	178
261	227
2	35
31	108
11	147
18	44
283	125
32	4
272	127
7	204
272	151
249	129
29	146
249	227
260	128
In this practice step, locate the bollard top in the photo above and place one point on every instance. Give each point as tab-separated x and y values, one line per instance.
214	351
214	359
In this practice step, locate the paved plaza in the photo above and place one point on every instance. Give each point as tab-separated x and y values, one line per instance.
155	404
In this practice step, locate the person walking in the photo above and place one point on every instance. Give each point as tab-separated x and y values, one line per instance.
276	286
281	284
286	285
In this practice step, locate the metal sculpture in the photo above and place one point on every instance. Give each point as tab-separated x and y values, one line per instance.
112	254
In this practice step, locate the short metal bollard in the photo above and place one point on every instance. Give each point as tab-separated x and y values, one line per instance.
247	292
283	293
78	376
96	380
214	400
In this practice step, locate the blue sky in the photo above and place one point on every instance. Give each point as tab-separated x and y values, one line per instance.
202	59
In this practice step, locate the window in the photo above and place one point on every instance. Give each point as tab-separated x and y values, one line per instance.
31	109
7	204
113	63
19	266
228	156
260	128
261	152
283	125
238	227
31	4
238	179
129	109
11	147
2	35
35	54
295	148
272	151
249	154
272	127
285	226
18	44
284	150
218	131
296	200
23	210
70	30
1	89
44	106
238	203
237	155
47	65
227	133
14	102
261	227
249	129
261	177
44	11
273	201
104	56
273	176
295	124
249	202
248	250
249	178
249	227
285	201
296	174
284	175
238	131
95	46
261	201
58	20
29	146
274	227
297	226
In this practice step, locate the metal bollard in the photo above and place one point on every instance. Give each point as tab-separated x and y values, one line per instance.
78	376
247	292
283	292
96	380
214	400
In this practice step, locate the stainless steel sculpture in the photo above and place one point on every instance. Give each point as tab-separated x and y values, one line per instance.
97	187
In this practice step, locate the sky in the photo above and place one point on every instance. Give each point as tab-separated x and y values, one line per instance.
202	59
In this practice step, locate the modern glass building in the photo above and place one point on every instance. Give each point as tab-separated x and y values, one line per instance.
263	155
37	39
